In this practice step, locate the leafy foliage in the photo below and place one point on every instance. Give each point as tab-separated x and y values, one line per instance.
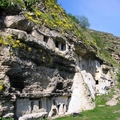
55	18
30	3
27	4
118	75
1	85
81	20
74	18
98	40
6	3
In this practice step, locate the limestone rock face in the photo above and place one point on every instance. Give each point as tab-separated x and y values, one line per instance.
81	97
33	116
43	73
17	22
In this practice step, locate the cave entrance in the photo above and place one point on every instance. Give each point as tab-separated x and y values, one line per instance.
60	45
105	71
56	44
32	105
97	82
59	86
63	47
46	39
40	104
17	82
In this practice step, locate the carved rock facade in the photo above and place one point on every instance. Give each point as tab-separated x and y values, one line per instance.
50	74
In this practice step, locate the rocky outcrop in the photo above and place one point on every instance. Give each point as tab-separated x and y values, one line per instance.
44	73
81	98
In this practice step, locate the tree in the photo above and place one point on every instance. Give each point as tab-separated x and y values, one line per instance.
83	21
55	1
73	18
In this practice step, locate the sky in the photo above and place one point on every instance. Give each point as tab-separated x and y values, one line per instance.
103	15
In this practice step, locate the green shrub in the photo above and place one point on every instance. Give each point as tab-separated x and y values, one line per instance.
7	118
80	20
28	4
6	3
118	75
98	40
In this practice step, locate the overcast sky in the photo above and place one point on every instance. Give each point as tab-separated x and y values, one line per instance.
103	15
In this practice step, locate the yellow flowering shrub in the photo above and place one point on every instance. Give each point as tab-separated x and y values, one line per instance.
1	87
29	48
55	17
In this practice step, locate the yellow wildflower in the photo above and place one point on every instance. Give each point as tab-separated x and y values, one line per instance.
1	87
17	41
9	37
29	49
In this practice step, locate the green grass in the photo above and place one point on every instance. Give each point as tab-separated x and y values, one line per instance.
101	112
7	118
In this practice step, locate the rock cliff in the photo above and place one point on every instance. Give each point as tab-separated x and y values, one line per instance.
45	71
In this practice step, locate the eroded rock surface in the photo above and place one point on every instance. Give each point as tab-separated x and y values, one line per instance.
44	73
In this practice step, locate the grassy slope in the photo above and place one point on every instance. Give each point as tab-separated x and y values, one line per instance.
110	41
101	112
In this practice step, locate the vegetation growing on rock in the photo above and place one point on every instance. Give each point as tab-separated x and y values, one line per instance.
80	20
51	57
48	13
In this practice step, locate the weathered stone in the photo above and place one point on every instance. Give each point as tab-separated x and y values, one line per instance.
33	116
18	21
61	109
19	34
81	98
50	74
37	35
9	115
54	111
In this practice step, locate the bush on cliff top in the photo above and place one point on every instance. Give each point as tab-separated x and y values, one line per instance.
28	4
80	20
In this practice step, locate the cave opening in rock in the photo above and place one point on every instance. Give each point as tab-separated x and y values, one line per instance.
105	71
63	47
97	82
56	44
40	104
59	86
32	105
46	39
17	82
60	45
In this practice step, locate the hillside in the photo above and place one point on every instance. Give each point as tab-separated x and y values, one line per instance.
49	65
111	43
